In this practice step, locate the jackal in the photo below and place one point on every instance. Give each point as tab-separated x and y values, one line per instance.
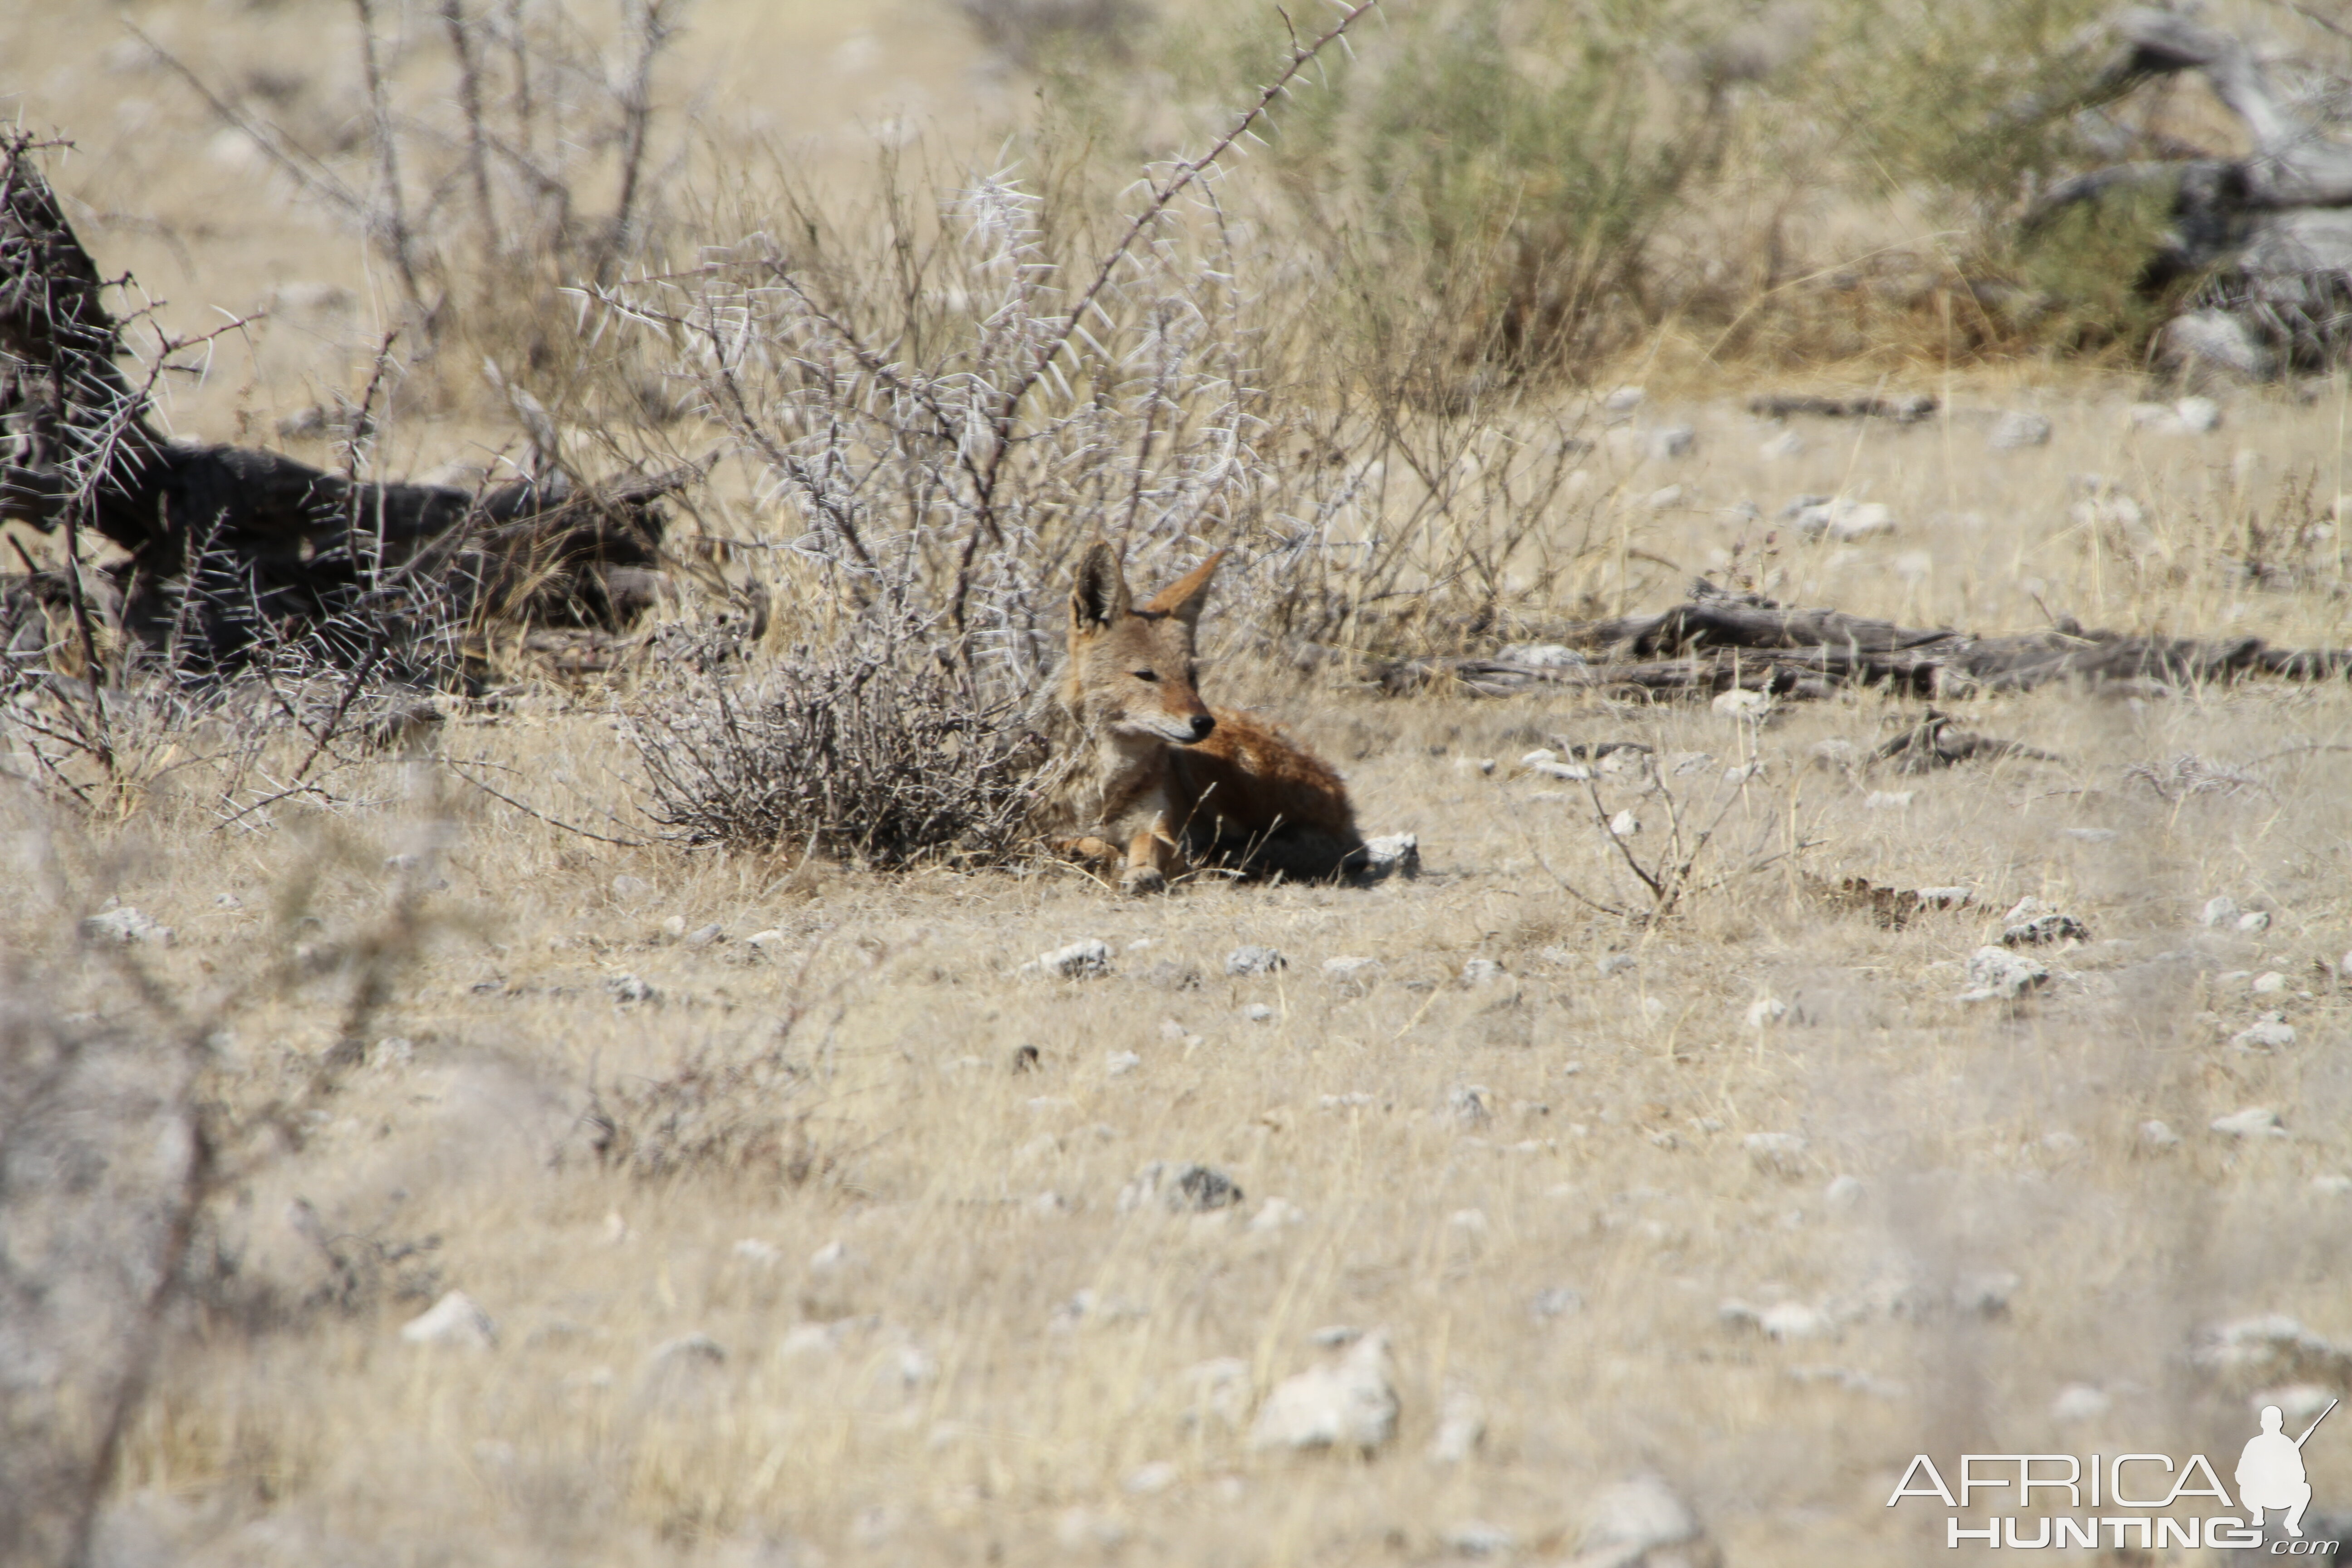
1151	780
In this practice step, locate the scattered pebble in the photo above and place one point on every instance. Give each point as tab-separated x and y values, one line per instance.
454	1319
1475	1537
1666	498
2079	1402
1352	1404
2197	414
1630	1522
1787	444
1781	1153
1119	1064
1998	975
2331	1185
628	988
1255	960
2271	1032
2018	429
1741	703
1275	1213
126	927
1179	1189
1616	963
1149	1480
2158	1135
703	936
630	888
1624	824
1560	1301
1986	1294
769	942
1889	800
2090	834
227	901
1258	1013
1087	959
2254	1122
1461	1427
1844	1192
2220	911
829	1258
1471	1104
1354	976
2032	923
2254	922
1625	399
1481	971
2268	984
1673	440
760	1254
674	927
1845	520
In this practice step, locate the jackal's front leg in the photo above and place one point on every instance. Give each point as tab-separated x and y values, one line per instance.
1151	857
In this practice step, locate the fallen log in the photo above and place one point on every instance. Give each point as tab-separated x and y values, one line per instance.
227	549
1718	641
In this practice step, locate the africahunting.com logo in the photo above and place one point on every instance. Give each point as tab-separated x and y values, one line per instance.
2129	1501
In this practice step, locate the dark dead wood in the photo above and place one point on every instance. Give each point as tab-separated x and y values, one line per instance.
1716	641
229	548
1934	743
1902	410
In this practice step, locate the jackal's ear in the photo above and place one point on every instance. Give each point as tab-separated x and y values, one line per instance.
1099	596
1185	597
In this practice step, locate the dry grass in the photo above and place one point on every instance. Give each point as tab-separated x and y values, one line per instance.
852	1080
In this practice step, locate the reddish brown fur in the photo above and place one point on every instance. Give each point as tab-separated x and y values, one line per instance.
1142	786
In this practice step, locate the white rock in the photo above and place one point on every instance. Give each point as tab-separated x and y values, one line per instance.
1986	1294
687	1350
2197	414
703	936
1765	1011
1634	1522
1258	1013
1253	959
1481	971
1783	1153
1889	800
810	1339
1471	1222
629	988
2331	1185
1666	498
1950	898
2018	429
2254	922
1476	1538
1541	656
1461	1427
1179	1188
1355	974
758	1253
1276	1213
1352	1404
1997	975
454	1320
1673	441
2079	1402
1844	1192
2343	966
1787	444
2215	338
630	888
1741	703
829	1258
1624	824
1087	959
1625	399
1793	1321
1559	1301
769	942
2254	1122
2268	984
2219	911
1149	1480
126	927
2271	1032
674	927
2158	1135
1616	963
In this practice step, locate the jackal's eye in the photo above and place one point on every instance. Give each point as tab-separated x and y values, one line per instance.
1150	675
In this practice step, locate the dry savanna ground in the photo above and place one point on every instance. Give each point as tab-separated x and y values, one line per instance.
789	1195
935	1334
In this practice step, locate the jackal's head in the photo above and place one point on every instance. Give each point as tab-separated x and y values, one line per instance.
1131	668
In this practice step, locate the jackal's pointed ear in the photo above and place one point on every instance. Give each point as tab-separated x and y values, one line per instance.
1099	596
1185	597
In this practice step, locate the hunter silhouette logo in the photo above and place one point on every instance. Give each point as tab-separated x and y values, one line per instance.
2270	1471
2130	1495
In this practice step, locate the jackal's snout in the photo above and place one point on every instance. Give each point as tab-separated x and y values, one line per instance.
1202	725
